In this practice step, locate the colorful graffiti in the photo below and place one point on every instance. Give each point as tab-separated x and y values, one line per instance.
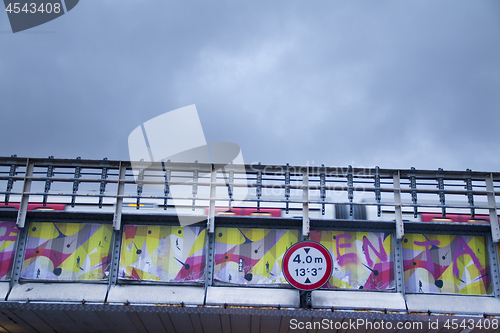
8	237
361	260
446	264
251	256
67	251
163	253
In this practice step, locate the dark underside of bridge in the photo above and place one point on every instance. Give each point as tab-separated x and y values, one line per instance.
59	317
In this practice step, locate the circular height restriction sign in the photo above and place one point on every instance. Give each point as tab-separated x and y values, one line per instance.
307	265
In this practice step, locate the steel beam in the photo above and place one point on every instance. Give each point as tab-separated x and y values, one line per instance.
117	218
25	197
492	207
397	206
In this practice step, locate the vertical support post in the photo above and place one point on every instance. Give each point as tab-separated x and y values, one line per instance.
209	270
258	190
493	255
48	182
350	189
195	184
470	192
19	256
398	266
168	175
25	197
10	182
102	189
492	207
76	182
117	217
413	185
397	206
230	185
287	188
378	196
322	184
115	258
305	203
440	179
211	207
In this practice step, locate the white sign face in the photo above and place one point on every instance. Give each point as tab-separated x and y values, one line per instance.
307	265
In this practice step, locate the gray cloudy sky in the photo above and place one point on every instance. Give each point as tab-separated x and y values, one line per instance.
389	83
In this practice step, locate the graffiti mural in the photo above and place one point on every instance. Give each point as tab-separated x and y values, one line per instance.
251	256
163	253
8	237
446	264
361	260
67	251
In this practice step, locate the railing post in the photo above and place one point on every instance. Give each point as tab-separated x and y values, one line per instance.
494	270
117	218
492	207
305	204
25	197
211	207
397	206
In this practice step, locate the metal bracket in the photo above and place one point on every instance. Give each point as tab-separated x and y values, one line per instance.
441	190
494	269
76	182
322	184
305	299
117	218
492	207
470	192
168	176
287	188
48	182
350	189
25	197
305	204
10	182
259	188
413	185
378	196
140	179
104	176
398	267
19	256
195	184
230	187
397	206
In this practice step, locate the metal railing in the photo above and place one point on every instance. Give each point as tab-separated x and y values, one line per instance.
308	192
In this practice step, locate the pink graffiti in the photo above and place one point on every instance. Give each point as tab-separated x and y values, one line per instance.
430	264
348	258
461	249
382	255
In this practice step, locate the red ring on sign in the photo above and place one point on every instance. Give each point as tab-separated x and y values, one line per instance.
320	248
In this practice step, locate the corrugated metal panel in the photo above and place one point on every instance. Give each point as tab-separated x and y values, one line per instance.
167	322
211	323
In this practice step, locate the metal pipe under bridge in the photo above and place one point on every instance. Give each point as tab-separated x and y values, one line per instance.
111	246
